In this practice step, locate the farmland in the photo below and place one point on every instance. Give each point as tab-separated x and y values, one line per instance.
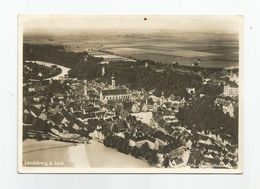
214	50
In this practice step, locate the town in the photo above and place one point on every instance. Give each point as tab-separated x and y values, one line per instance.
186	126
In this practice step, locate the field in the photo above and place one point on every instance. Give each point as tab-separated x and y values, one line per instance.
214	50
109	57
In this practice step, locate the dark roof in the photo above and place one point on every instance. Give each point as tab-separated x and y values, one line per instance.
178	161
99	113
124	113
84	116
171	146
57	118
35	110
164	137
67	115
121	126
172	97
150	139
79	123
114	92
160	135
225	161
233	84
127	105
146	129
168	104
233	163
136	139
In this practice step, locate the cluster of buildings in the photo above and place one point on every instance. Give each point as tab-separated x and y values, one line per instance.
77	110
229	99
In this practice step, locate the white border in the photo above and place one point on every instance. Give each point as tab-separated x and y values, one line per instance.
8	16
22	169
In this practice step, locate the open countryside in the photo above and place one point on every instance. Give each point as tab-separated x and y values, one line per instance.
214	50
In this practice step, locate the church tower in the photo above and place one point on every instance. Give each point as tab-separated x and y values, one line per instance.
162	100
113	82
103	71
85	88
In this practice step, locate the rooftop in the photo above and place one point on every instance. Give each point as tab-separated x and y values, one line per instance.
108	92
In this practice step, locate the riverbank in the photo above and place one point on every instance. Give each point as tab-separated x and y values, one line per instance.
50	153
64	70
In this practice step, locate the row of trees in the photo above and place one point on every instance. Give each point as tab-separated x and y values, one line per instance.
136	77
52	53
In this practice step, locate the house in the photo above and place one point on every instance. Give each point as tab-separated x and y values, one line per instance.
123	114
31	89
38	111
188	144
119	127
191	91
127	105
135	108
144	107
27	116
58	119
137	141
151	142
231	89
226	106
155	107
176	163
171	98
162	100
162	138
206	81
170	119
179	157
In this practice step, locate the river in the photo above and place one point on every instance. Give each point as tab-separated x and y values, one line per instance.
64	70
50	153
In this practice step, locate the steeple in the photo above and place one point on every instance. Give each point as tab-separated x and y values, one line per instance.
162	94
85	88
113	82
103	71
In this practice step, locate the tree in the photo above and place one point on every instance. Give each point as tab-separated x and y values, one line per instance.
135	152
144	149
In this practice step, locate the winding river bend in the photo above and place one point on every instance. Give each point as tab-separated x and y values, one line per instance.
64	70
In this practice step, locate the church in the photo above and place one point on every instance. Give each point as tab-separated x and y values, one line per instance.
115	94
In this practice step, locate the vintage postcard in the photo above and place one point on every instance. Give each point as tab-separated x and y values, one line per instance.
130	94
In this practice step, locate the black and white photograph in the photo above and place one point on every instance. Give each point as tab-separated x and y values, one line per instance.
130	94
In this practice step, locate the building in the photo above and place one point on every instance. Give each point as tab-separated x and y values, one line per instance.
226	106
103	71
113	82
115	94
231	90
190	90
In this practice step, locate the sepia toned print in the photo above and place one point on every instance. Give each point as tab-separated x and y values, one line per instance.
130	94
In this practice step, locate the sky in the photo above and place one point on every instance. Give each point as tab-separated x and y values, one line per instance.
79	23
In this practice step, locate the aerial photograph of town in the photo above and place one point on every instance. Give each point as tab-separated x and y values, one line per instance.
129	93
